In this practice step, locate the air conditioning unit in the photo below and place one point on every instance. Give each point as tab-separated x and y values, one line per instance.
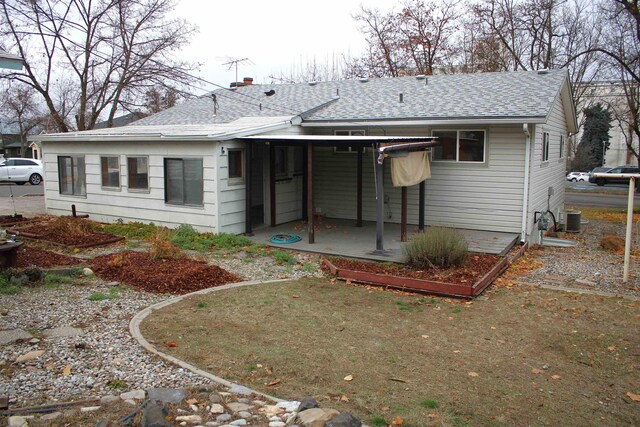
573	221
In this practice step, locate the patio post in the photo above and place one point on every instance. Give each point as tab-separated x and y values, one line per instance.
379	174
272	183
403	216
421	206
310	209
359	190
248	226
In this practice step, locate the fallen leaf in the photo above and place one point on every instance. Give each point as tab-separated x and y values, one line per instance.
348	378
171	344
450	318
536	371
344	398
66	371
348	282
258	365
295	296
398	421
474	374
192	401
425	336
611	348
272	383
634	397
555	377
456	351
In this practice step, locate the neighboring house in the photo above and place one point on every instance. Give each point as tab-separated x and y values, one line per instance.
269	154
10	62
611	94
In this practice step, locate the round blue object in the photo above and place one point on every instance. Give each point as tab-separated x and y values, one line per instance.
284	238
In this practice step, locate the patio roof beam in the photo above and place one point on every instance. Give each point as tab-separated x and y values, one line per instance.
403	216
272	184
359	189
310	209
248	226
421	200
379	175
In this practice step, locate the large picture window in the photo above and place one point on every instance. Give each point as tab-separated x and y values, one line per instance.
71	175
110	171
183	181
460	145
138	173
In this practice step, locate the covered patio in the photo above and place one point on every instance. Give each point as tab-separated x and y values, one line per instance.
341	237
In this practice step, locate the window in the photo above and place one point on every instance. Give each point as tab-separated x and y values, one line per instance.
345	148
183	181
236	166
138	173
459	145
281	166
110	171
545	146
71	175
24	162
561	146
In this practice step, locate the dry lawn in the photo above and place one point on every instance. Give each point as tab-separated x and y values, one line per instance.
524	356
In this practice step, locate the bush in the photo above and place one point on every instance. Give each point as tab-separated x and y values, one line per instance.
612	243
438	246
187	237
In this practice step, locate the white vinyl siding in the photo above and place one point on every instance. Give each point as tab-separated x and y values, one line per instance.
545	174
108	206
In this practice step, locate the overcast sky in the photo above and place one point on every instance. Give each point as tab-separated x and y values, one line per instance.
275	35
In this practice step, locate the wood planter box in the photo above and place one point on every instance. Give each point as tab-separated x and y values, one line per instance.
422	285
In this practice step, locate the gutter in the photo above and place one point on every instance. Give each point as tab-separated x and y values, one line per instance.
525	191
424	122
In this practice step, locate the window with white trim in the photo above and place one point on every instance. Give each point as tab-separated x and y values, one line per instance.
545	146
235	160
183	181
464	145
110	171
138	173
72	177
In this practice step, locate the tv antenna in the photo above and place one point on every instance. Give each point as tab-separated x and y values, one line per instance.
233	62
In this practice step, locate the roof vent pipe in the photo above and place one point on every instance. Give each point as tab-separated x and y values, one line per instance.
364	79
401	97
421	77
313	83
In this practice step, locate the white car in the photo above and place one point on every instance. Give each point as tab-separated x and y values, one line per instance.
578	176
21	171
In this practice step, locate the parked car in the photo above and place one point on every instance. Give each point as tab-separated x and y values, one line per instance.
21	171
578	176
601	178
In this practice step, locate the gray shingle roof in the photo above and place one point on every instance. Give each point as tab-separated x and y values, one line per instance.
525	94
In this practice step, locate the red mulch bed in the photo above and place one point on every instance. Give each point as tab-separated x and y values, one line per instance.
13	219
29	255
174	276
40	231
473	270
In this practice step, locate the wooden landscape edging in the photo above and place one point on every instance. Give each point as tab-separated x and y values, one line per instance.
422	285
38	237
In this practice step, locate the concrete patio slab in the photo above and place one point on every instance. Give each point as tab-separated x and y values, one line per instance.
340	237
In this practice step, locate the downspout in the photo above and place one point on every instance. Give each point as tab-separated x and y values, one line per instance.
527	171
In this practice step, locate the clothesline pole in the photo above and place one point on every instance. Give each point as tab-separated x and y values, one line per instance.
403	216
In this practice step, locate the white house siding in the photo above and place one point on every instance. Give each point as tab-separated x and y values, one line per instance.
463	195
109	205
546	174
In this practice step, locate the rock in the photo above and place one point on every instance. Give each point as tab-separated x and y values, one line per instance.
241	390
308	403
289	406
62	331
191	419
12	335
20	280
212	424
316	417
215	398
105	423
244	400
155	416
19	421
245	414
217	409
345	419
133	394
89	409
32	355
224	394
237	406
277	424
271	410
258	402
223	418
51	416
240	422
34	341
130	402
194	408
87	271
105	400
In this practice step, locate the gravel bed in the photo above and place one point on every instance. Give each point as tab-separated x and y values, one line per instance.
587	265
105	351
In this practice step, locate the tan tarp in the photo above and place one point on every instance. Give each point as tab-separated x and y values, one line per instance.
410	170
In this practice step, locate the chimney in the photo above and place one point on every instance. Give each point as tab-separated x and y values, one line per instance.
247	81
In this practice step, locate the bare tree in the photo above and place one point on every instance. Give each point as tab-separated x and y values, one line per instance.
20	110
92	58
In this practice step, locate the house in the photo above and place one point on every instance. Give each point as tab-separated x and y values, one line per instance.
235	159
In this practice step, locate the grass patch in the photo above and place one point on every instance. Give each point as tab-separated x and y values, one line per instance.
201	304
309	268
113	293
618	216
131	230
398	356
456	310
283	257
378	422
117	384
187	237
6	287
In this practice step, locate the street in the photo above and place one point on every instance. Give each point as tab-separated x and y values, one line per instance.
609	196
6	189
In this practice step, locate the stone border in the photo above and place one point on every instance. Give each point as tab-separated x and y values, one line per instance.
134	329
